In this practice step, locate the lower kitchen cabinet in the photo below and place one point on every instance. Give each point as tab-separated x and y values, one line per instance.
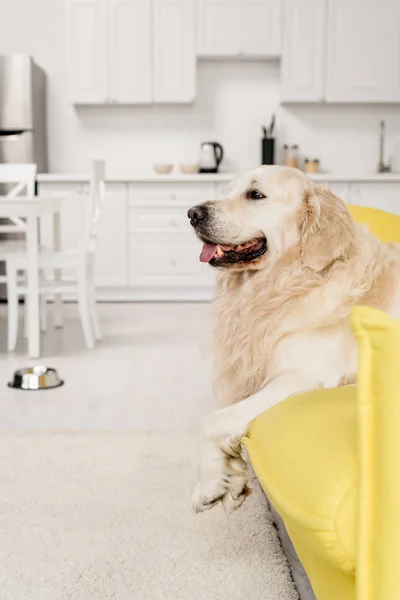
111	252
72	214
341	190
385	195
146	249
163	249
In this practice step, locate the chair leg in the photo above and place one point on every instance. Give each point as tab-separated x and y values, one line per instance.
12	301
84	312
94	317
43	313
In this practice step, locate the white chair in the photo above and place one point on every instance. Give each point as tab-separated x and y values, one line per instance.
80	260
17	179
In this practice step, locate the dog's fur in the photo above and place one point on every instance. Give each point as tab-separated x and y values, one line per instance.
282	322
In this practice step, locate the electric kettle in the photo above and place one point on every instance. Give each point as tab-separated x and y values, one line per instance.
211	154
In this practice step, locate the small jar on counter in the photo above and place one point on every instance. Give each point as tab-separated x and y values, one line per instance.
291	156
311	165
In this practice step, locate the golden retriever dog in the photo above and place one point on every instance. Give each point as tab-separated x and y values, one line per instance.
291	263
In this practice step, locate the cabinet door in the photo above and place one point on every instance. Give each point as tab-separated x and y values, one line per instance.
303	51
130	51
71	217
87	51
384	196
167	260
112	250
239	28
342	190
363	51
174	51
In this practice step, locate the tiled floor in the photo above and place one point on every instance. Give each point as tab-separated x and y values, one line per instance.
152	371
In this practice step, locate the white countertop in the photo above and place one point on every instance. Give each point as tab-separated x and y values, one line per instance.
373	178
213	178
129	178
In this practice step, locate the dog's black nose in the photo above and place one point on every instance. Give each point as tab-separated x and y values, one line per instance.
197	214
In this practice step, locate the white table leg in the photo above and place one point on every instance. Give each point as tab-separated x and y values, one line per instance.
33	286
58	317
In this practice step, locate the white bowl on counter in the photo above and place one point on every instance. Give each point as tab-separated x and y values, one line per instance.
163	168
189	168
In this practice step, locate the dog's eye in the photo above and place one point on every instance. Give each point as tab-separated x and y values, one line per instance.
255	195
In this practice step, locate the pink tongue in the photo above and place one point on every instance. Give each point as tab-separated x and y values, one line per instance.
208	252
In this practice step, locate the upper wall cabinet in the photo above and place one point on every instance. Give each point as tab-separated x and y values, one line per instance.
303	51
341	51
174	51
131	51
239	28
87	51
363	51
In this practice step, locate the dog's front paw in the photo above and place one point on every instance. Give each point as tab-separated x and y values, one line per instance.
222	481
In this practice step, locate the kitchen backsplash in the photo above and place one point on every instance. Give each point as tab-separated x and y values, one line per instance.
234	100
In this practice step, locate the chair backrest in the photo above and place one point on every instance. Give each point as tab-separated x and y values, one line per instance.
17	179
93	207
385	226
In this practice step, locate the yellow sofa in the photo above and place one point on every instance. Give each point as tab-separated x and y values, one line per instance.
329	462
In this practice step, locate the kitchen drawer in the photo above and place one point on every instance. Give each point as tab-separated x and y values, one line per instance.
184	194
167	260
154	218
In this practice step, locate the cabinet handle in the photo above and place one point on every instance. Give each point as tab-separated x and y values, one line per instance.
173	223
173	196
172	262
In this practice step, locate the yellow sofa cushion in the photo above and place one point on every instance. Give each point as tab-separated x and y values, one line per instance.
329	462
304	452
385	226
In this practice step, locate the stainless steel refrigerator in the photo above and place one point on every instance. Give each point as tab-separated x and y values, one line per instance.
23	136
22	112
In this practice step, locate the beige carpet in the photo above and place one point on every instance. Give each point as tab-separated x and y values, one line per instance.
106	516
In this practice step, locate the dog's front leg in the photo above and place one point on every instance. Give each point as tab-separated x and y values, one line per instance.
222	470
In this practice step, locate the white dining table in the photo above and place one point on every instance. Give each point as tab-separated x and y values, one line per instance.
32	209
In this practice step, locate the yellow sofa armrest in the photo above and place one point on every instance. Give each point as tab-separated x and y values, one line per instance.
378	555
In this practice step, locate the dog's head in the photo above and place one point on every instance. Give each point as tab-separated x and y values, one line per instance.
266	213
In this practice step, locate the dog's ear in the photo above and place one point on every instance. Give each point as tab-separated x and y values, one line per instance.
326	229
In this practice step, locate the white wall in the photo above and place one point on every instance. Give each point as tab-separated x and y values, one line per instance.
234	99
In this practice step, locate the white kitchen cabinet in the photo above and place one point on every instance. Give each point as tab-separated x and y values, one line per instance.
342	190
87	51
341	51
130	51
71	216
72	213
112	243
363	55
163	249
111	251
385	195
174	68
302	69
239	28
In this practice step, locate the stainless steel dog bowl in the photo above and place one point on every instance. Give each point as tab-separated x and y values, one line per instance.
35	378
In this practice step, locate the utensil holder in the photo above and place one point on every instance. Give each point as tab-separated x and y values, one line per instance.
268	151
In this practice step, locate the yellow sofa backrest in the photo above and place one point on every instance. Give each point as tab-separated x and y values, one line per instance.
385	226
